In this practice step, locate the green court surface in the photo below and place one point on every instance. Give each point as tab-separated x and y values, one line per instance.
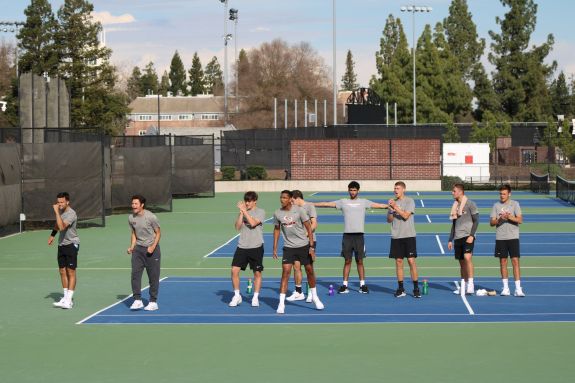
39	343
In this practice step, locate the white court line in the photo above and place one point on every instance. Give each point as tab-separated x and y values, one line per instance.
428	219
312	194
11	235
225	244
114	304
422	205
439	243
417	193
464	299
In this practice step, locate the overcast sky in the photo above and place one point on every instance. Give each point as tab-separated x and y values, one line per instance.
139	31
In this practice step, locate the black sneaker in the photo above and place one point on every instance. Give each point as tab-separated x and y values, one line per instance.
363	289
342	289
399	293
416	293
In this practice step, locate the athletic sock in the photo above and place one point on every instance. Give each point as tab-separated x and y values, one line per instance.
518	284
256	295
237	293
416	285
282	299
362	282
70	295
345	283
65	293
298	288
470	281
505	283
313	292
400	285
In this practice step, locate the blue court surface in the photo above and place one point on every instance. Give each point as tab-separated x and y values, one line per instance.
377	245
201	300
442	218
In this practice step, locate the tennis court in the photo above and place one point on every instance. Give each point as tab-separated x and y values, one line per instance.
517	339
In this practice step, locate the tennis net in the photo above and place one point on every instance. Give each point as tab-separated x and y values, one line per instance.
566	190
539	184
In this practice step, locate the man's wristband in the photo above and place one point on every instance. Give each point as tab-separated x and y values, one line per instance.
53	233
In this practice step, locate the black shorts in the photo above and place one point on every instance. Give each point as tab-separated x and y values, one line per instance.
296	254
254	257
68	256
315	248
461	247
353	243
403	248
507	247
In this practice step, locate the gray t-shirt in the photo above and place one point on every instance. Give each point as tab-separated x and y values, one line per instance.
144	226
400	227
506	229
464	222
291	225
353	213
311	212
70	234
252	237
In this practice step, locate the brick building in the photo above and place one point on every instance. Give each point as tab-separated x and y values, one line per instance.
174	113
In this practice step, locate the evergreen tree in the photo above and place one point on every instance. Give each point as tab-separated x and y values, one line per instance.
243	70
164	84
521	76
177	76
348	81
149	80
462	37
134	84
485	96
560	97
393	60
85	65
196	76
489	131
36	40
451	133
213	76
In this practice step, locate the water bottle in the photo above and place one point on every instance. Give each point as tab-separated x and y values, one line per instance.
250	286
425	287
331	290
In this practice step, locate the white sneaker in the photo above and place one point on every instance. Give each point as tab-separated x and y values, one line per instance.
456	292
281	308
295	297
152	306
67	305
59	303
519	293
505	292
470	289
255	302
309	298
138	304
236	300
317	303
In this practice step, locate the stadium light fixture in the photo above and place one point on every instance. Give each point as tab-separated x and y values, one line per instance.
413	9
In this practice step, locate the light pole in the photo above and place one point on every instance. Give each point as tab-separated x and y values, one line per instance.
234	18
12	27
227	37
413	9
334	72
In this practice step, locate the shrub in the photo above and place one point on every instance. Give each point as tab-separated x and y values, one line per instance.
256	172
447	182
228	173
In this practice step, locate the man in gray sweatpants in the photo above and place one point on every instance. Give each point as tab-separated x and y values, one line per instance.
145	250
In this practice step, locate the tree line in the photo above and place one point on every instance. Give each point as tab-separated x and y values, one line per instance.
453	85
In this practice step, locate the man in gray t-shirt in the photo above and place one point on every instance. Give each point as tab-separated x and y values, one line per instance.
293	223
145	251
506	216
250	250
310	210
353	242
68	247
403	242
465	218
